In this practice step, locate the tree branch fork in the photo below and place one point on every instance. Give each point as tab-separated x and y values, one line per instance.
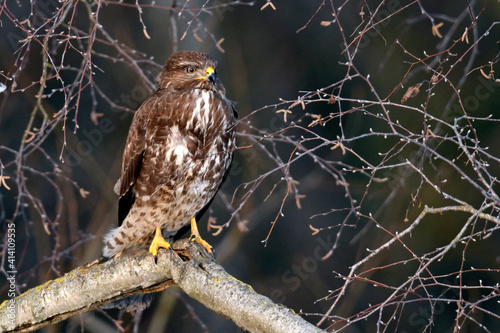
199	276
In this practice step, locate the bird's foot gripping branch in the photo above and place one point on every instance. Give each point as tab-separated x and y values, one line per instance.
188	267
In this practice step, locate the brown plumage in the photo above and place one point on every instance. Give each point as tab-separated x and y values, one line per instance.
178	152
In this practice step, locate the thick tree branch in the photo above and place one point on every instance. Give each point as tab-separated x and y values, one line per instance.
200	277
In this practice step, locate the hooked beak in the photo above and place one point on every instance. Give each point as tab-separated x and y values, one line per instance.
209	75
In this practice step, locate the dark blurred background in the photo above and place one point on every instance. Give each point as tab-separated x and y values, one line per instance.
270	56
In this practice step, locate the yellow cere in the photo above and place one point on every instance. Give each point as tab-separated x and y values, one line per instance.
209	71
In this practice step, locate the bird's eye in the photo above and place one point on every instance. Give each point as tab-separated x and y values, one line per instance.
190	70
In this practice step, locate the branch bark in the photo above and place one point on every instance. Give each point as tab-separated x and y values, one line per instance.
200	277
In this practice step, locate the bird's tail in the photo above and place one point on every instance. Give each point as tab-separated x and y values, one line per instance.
114	242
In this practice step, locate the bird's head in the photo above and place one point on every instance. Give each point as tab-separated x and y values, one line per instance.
190	70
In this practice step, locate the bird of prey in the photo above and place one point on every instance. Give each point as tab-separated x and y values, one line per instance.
177	155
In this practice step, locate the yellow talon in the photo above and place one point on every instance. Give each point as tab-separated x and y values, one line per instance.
195	237
158	241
